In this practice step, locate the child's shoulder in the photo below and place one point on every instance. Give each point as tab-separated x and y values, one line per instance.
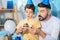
36	19
22	20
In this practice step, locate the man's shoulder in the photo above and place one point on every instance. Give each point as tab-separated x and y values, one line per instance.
55	19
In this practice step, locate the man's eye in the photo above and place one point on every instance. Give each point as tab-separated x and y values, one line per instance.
42	11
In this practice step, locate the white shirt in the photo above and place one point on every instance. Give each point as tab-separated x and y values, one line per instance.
51	28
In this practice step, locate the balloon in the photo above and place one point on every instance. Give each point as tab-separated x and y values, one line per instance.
21	5
3	33
10	26
53	9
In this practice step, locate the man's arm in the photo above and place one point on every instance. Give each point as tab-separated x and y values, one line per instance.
52	36
41	33
45	36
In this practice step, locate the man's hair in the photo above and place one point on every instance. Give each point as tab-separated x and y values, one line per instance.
30	6
43	5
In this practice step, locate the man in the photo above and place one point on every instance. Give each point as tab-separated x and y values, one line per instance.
50	24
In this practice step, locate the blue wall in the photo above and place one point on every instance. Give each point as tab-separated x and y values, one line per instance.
55	8
55	4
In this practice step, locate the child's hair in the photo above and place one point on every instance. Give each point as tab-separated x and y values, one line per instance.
30	6
43	5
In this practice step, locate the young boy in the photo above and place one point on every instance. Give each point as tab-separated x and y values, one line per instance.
28	26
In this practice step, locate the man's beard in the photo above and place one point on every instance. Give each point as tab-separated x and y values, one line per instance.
41	18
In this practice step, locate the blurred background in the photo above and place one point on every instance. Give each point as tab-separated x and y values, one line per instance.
55	8
14	9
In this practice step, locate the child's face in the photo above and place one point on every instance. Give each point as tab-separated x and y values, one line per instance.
29	13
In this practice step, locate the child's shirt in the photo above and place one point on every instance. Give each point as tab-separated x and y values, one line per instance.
32	23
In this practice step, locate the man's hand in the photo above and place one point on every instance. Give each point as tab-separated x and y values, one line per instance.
40	32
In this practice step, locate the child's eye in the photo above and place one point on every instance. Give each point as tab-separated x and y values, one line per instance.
30	12
26	11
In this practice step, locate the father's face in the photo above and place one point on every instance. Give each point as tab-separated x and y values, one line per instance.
42	13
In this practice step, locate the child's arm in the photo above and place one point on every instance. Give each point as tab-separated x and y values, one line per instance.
22	30
19	28
18	31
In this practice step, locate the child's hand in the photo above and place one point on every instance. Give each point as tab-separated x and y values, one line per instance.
25	27
38	30
20	30
32	30
24	30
